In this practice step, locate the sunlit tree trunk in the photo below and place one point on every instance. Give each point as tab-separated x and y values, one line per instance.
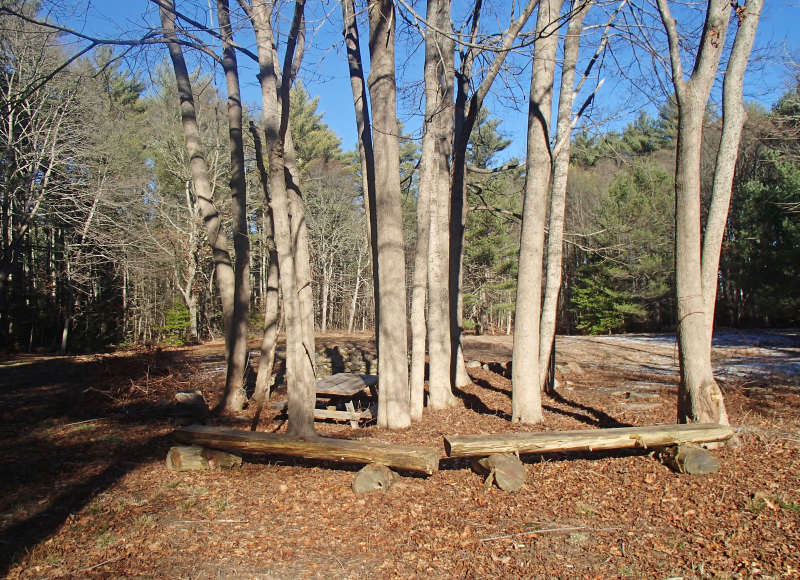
236	339
436	150
269	337
365	149
558	194
526	395
299	373
467	107
393	407
223	266
699	396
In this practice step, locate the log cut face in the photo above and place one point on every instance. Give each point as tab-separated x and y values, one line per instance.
585	440
418	459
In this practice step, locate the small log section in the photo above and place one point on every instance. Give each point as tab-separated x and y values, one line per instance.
195	458
689	459
418	459
585	440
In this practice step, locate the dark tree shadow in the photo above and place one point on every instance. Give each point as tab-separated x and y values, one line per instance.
52	478
594	417
337	360
474	403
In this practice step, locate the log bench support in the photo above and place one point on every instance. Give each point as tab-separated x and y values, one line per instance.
417	459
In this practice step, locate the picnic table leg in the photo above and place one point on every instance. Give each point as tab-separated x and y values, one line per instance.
354	416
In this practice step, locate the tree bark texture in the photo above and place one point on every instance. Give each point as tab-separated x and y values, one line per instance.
584	439
419	292
393	408
365	149
558	194
467	107
223	266
439	58
234	396
733	118
300	379
271	298
526	395
419	459
699	396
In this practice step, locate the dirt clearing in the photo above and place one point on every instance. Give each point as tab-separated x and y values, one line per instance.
86	493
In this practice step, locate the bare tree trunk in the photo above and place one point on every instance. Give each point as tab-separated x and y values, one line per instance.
467	108
354	303
558	195
419	290
269	338
302	256
223	267
526	395
436	151
236	339
300	379
324	291
733	118
699	396
366	152
393	408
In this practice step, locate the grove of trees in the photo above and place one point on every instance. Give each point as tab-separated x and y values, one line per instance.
145	200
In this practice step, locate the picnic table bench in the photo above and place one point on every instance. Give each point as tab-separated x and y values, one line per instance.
337	397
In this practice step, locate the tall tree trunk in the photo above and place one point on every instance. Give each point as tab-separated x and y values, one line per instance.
699	396
324	291
733	118
439	57
269	337
467	108
302	255
300	379
234	396
366	152
354	303
393	407
223	267
419	292
526	395
558	195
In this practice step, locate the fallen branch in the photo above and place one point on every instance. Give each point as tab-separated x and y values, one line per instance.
546	531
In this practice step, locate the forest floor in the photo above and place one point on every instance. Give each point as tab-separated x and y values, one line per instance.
85	492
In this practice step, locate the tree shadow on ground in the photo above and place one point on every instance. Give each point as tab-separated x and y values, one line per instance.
71	428
590	415
474	403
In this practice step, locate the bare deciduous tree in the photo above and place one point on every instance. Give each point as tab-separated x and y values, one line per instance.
526	396
697	259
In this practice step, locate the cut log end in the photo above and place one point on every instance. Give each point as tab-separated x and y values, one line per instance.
503	469
374	477
196	458
689	459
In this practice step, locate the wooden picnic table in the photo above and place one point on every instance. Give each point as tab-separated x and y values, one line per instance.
342	390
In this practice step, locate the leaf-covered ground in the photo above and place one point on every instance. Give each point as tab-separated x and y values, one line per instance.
84	490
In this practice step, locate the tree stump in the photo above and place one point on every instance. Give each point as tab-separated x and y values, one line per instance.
504	469
374	477
196	458
689	459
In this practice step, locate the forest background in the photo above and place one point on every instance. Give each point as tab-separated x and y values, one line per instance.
103	244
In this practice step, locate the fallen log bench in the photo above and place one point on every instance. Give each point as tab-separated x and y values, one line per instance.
417	459
585	439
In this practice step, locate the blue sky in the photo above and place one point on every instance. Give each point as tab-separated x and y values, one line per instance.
325	70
